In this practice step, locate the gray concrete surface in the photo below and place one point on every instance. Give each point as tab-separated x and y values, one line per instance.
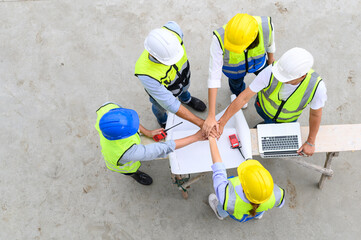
60	60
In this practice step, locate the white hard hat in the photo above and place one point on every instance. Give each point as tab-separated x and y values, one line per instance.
164	46
293	64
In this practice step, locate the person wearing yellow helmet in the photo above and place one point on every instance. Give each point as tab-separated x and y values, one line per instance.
244	45
244	197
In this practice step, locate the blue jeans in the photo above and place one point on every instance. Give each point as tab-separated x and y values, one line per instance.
237	85
160	113
260	112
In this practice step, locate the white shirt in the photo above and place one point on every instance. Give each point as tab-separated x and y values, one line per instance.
262	81
216	60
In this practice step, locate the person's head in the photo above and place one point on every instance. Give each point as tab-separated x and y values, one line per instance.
164	46
241	31
256	181
119	123
293	66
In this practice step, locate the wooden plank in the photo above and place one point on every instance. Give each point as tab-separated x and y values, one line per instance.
330	138
336	138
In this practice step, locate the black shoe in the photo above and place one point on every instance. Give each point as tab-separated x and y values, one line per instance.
142	178
197	104
162	125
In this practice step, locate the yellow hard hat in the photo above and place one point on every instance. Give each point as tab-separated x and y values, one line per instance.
256	181
240	32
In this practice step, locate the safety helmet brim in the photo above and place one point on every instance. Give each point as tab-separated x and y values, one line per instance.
233	47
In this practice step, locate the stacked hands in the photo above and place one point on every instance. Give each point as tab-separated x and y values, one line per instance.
213	128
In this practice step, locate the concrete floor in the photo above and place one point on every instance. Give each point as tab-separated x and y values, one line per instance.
60	60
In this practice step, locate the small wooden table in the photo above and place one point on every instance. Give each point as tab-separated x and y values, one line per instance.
331	139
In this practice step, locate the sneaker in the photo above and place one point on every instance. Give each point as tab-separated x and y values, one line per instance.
162	125
213	202
245	106
142	178
197	104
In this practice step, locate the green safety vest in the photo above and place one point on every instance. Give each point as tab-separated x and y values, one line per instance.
290	109
236	65
113	150
236	207
173	77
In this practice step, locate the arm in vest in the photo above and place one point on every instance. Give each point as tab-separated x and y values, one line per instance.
316	105
214	82
162	95
309	146
235	106
220	180
174	27
152	151
279	196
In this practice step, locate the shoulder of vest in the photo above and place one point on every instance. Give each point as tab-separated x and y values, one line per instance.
225	194
147	76
124	153
270	22
317	84
219	41
106	104
174	33
283	197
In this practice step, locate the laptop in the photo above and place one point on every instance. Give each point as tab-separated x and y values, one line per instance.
278	140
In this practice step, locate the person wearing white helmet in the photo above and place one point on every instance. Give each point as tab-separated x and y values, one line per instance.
283	90
164	70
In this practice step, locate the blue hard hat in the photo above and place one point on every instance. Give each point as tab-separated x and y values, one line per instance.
119	123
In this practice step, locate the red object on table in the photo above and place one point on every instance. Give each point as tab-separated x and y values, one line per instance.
234	141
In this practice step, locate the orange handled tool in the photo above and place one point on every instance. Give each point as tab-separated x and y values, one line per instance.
163	133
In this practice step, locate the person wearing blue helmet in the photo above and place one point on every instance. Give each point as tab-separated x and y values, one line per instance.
118	129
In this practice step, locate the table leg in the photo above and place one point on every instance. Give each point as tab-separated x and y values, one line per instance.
327	165
184	183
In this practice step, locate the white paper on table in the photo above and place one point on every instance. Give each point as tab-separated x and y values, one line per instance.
196	157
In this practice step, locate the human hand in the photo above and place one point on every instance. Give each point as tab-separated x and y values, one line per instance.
208	125
270	60
306	150
154	132
214	133
220	128
199	135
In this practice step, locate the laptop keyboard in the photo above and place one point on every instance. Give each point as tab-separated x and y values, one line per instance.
279	143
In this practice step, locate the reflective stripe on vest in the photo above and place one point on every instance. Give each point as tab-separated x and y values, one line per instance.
293	106
174	77
113	150
236	65
239	209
